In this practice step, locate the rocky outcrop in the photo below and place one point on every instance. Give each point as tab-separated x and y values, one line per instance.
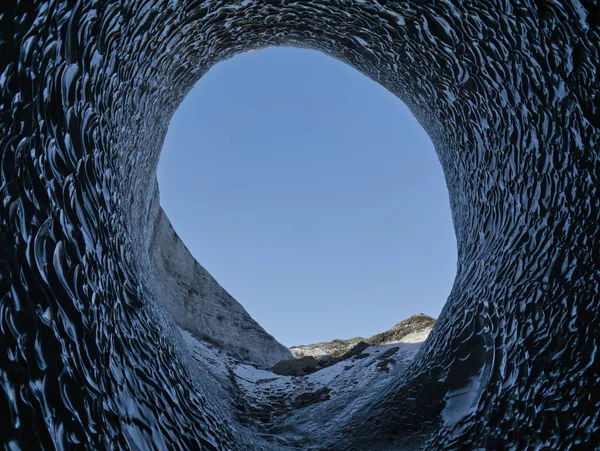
412	325
296	367
416	328
333	348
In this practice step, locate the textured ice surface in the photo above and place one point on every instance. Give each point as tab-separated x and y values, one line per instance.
508	92
302	412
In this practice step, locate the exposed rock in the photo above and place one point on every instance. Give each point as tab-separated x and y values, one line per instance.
385	359
324	359
390	352
334	348
413	324
413	329
296	367
384	365
357	349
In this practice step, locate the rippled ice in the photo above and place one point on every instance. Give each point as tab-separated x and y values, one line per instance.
508	92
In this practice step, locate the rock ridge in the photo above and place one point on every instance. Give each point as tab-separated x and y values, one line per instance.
415	324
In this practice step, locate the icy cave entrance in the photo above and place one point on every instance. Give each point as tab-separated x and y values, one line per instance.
311	194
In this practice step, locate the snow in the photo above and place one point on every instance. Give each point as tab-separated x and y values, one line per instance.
416	337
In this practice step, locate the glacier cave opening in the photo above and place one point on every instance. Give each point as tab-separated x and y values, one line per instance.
105	316
311	193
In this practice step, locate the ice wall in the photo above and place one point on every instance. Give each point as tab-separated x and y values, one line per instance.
508	92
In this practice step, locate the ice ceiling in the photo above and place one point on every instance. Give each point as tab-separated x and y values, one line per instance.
509	94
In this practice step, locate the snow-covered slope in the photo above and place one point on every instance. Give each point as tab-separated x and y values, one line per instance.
294	412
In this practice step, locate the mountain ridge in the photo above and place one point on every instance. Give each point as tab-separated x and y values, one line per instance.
417	324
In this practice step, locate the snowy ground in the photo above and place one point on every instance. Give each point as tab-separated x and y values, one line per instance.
292	412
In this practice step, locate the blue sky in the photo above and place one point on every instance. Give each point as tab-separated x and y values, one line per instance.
311	194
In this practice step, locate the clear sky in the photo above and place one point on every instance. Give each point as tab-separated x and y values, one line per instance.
311	194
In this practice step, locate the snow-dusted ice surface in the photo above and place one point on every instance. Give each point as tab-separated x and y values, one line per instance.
300	412
94	286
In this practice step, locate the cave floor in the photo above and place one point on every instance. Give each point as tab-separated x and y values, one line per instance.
294	411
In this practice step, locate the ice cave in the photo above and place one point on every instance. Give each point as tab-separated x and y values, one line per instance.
103	311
